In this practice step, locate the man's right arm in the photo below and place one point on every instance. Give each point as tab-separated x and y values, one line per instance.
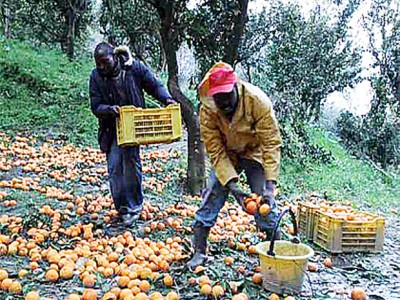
212	138
97	106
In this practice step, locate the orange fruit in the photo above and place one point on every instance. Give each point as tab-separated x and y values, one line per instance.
88	281
218	291
229	260
358	294
328	262
156	296
66	272
89	294
273	296
203	279
3	274
144	286
123	281
125	293
15	287
73	297
6	283
312	267
52	275
257	278
32	295
109	296
206	289
141	296
172	296
251	207
168	280
22	273
290	298
264	209
252	249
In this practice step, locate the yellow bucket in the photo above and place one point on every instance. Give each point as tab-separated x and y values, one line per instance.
284	271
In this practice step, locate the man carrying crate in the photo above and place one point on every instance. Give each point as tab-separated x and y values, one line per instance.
240	133
119	80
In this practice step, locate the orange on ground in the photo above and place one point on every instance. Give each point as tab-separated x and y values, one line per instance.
15	287
273	296
358	294
257	278
89	294
52	275
218	291
168	280
206	289
32	295
172	296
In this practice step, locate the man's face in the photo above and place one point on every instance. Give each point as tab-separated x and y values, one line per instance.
226	102
106	64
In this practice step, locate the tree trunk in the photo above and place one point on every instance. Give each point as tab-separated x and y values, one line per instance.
71	17
7	23
239	24
196	154
162	62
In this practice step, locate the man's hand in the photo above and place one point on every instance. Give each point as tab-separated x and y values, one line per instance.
170	101
115	110
268	194
237	193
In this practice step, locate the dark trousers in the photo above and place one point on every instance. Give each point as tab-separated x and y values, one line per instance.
125	176
215	195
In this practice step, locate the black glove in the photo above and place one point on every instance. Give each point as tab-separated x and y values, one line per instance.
169	101
268	193
239	195
114	109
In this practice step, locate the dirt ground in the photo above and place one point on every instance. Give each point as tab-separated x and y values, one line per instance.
80	172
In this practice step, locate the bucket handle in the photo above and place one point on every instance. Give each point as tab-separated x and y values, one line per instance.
295	239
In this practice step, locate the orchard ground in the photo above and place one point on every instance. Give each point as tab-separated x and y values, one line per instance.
57	214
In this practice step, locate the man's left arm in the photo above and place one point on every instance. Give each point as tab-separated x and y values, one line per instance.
268	134
153	86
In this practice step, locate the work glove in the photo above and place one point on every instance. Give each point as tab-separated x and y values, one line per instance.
170	101
273	215
239	195
114	109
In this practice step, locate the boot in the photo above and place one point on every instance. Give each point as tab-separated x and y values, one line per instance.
200	247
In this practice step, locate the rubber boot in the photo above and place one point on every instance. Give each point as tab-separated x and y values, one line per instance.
200	247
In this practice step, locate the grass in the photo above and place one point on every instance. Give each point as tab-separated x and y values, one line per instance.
345	178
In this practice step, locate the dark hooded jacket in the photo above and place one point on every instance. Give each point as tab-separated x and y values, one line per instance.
136	79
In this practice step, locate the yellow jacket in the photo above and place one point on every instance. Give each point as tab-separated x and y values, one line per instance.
252	134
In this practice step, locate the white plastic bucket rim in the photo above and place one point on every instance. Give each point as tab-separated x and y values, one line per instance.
262	250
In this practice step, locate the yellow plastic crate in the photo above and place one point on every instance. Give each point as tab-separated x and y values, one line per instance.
306	218
338	235
139	126
306	214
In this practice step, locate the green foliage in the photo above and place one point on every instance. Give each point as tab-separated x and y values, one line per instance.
50	22
376	135
298	62
42	91
304	60
215	29
344	178
134	23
